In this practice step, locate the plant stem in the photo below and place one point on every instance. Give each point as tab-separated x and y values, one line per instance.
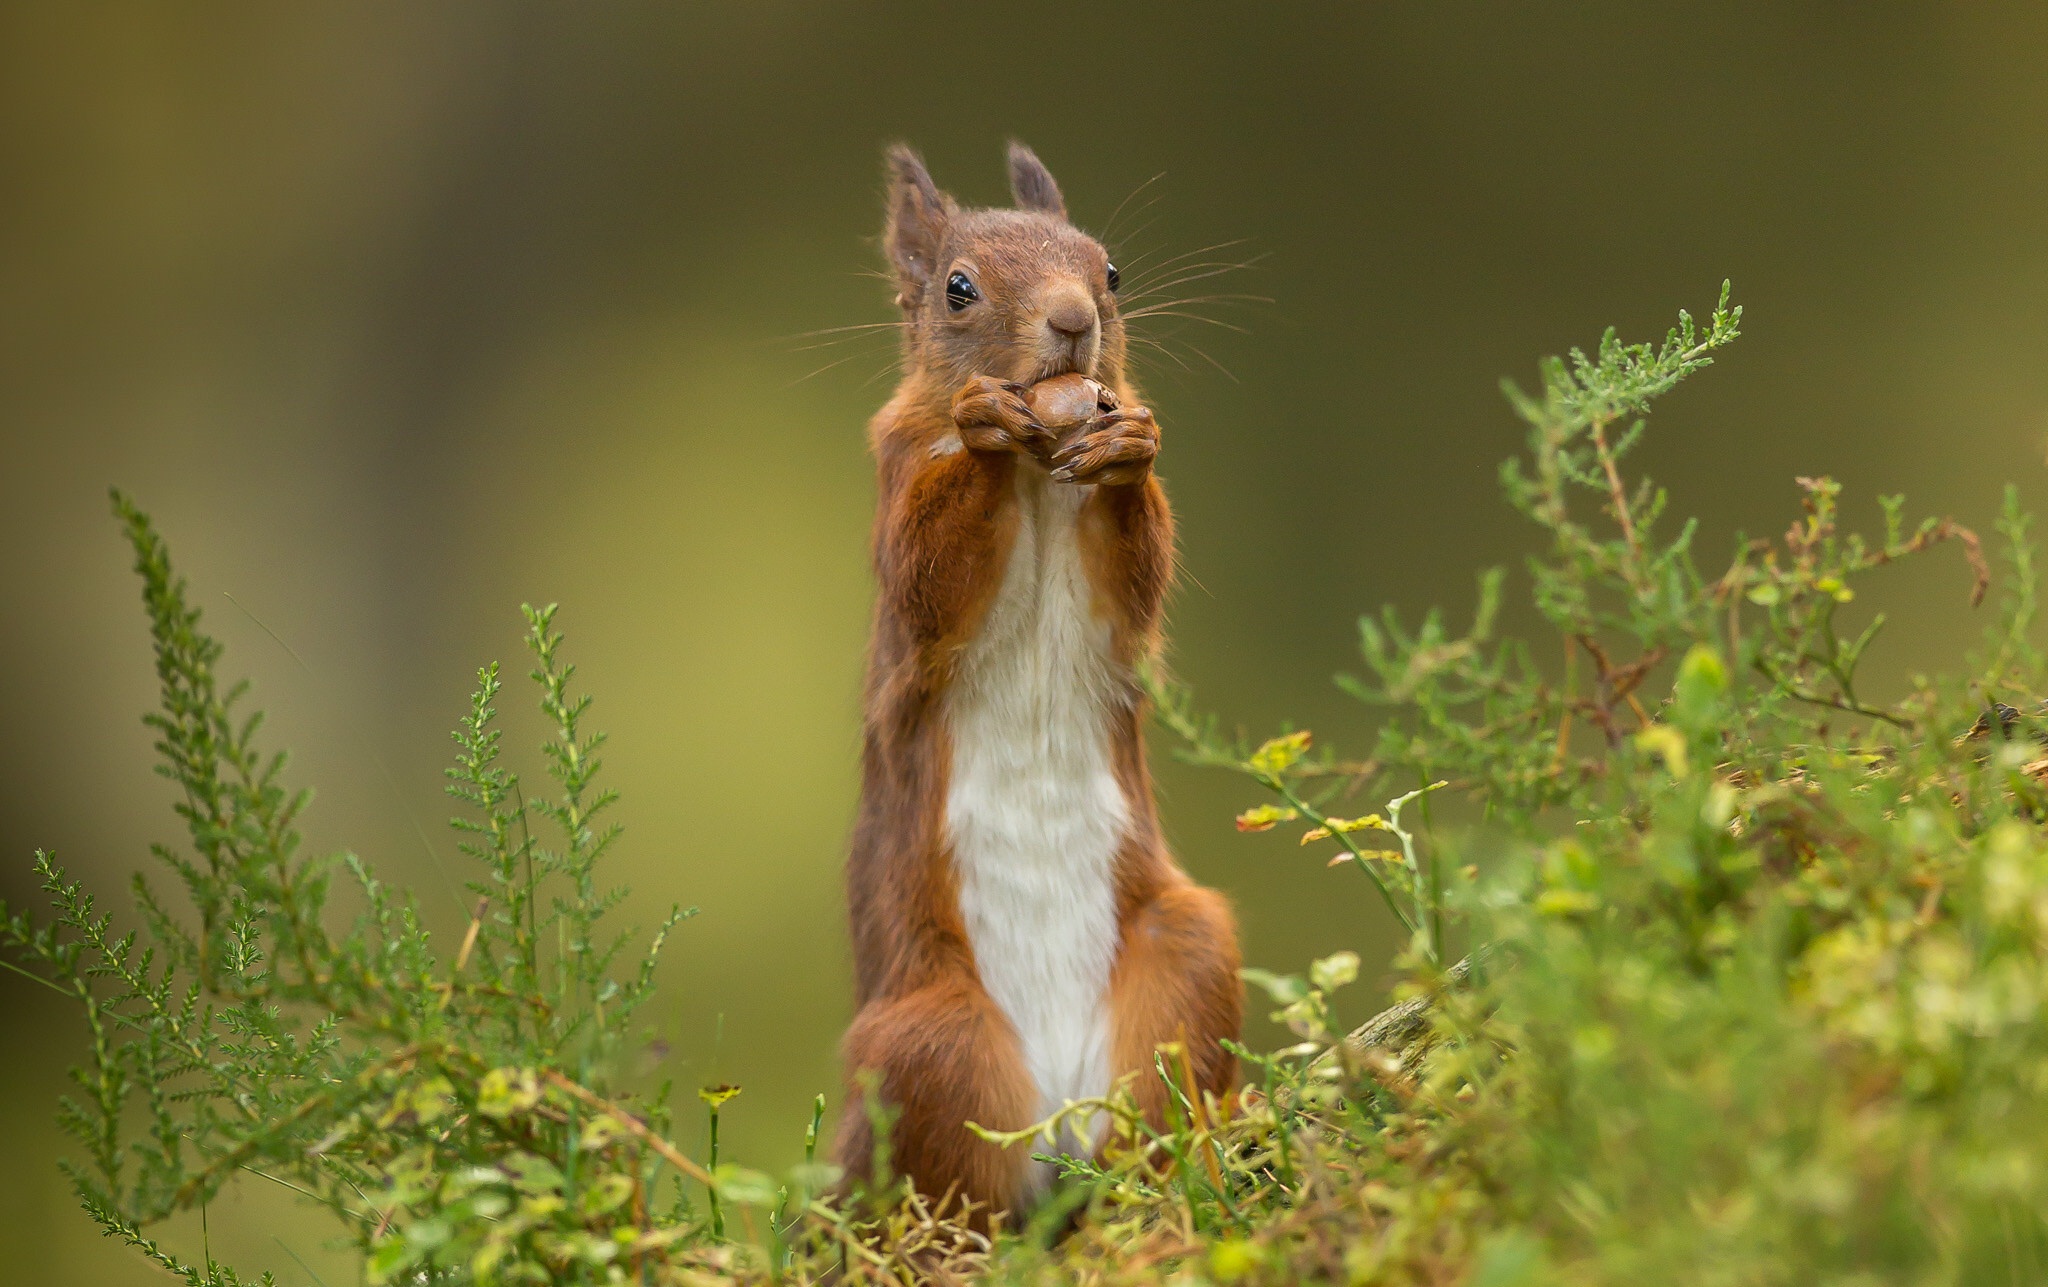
1358	858
638	1129
717	1212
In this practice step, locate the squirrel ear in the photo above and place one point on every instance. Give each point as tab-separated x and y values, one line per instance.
918	213
1031	183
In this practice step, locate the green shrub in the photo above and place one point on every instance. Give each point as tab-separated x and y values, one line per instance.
1759	996
447	1112
1756	995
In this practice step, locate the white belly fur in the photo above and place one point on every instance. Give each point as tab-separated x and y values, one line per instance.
1034	807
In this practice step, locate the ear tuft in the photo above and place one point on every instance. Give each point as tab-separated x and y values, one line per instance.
917	218
1032	185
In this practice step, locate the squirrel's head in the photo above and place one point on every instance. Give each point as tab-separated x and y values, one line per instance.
1017	294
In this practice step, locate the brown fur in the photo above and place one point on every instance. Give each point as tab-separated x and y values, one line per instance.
947	447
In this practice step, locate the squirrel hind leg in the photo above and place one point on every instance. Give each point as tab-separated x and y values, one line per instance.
1176	981
926	1063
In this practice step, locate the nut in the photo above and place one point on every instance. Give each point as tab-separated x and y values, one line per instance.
1067	401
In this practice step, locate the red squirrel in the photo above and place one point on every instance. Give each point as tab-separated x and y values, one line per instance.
1021	935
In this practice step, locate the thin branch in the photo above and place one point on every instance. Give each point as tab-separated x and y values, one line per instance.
634	1126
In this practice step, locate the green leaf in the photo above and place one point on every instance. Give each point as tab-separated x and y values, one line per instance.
1334	971
533	1174
747	1187
1283	988
1699	695
606	1194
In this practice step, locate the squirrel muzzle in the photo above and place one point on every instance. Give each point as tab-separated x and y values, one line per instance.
1071	333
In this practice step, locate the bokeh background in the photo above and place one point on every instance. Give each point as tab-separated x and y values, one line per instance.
396	315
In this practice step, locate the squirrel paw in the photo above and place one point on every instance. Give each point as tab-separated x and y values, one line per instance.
992	415
1115	450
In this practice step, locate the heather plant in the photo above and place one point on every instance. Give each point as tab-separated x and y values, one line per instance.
1735	972
1759	963
452	1111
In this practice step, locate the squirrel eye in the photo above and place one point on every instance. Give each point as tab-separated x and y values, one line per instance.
960	292
1116	279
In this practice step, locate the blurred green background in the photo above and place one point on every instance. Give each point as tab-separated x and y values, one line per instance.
397	315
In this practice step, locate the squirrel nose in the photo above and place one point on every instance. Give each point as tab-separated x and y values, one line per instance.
1071	316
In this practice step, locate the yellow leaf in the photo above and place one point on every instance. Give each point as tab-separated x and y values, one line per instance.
1233	1258
1263	817
1668	744
1565	902
1371	822
1279	754
1377	855
716	1095
601	1133
505	1091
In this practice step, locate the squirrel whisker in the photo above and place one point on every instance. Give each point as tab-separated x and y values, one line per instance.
1168	311
1109	229
1193	273
1189	254
836	362
1141	279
